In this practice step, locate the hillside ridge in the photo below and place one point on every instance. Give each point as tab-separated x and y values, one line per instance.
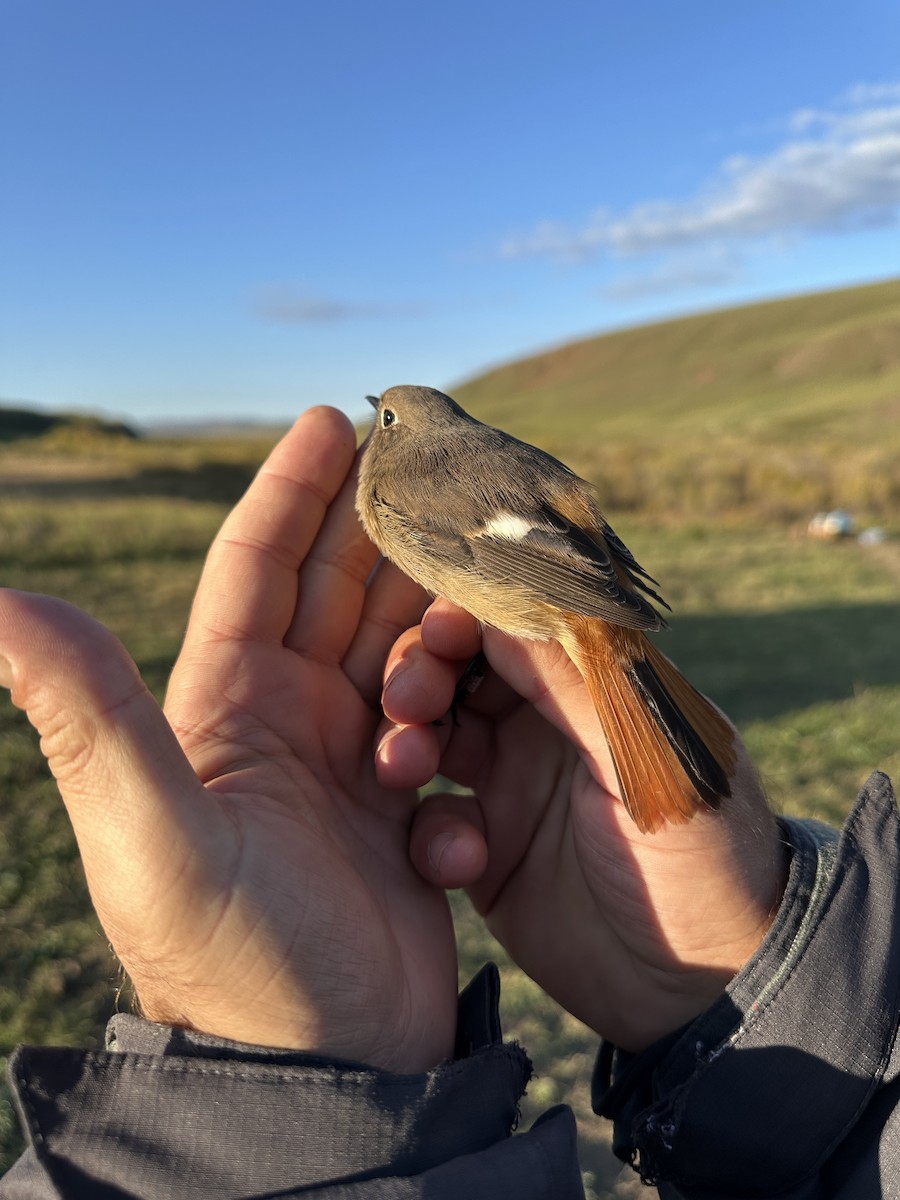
822	361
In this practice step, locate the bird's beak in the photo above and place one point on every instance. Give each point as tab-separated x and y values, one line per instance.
374	400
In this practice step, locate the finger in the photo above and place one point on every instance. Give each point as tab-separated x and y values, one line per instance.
539	673
447	843
424	732
460	748
393	604
332	582
419	686
532	670
424	685
428	728
249	585
135	804
407	756
450	632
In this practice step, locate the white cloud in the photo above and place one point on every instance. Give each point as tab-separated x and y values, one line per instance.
678	272
292	305
871	93
837	170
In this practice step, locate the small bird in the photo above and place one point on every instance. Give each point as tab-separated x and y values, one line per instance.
515	537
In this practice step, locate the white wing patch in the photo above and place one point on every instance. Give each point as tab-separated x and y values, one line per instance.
507	525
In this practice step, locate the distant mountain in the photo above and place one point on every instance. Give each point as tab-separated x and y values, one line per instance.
17	423
214	429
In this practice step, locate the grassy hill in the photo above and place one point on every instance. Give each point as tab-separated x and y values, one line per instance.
779	407
17	423
808	364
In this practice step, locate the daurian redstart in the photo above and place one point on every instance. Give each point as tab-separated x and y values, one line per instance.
513	536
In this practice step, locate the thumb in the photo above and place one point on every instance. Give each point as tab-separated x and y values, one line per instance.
121	772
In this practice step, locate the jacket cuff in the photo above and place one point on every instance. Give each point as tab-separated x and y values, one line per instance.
169	1112
791	1054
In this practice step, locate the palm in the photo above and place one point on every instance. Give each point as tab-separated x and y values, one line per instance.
311	832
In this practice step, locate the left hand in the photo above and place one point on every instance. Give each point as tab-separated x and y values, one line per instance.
249	870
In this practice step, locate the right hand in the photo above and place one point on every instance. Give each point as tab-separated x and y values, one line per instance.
633	933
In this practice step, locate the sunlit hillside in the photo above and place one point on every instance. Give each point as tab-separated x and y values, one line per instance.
777	407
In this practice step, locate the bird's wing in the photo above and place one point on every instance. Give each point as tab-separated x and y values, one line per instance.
562	565
555	560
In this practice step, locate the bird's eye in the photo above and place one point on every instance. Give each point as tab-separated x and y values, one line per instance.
388	417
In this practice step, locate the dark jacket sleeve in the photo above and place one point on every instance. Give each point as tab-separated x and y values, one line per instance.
789	1085
165	1113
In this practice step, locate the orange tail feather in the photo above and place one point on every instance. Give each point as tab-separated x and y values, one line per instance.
673	751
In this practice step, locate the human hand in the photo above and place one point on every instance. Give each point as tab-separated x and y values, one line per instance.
249	870
634	934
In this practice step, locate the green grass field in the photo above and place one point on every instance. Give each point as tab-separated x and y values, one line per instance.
795	638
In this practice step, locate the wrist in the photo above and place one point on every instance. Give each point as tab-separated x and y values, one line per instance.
736	882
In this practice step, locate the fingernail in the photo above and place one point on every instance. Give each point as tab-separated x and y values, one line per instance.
437	848
395	674
385	742
6	673
390	681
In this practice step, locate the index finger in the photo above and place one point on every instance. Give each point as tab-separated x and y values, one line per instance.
248	589
427	666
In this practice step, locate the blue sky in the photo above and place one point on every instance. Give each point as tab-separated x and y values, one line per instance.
223	209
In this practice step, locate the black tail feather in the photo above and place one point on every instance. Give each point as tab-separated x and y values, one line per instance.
700	764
